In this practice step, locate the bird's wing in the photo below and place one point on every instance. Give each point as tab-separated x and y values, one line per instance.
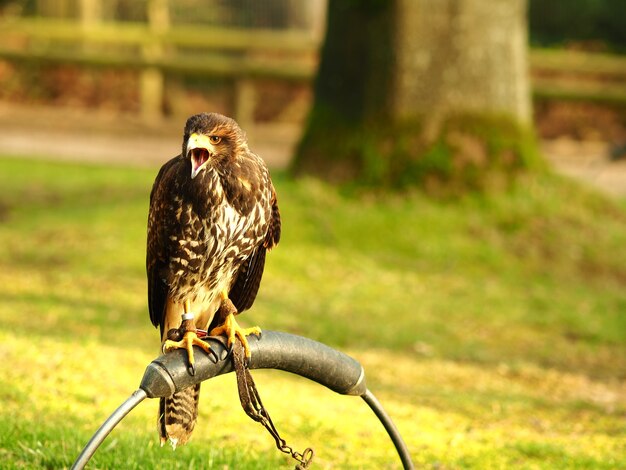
273	232
248	279
246	285
157	246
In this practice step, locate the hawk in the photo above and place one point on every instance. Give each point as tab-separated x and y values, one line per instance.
213	215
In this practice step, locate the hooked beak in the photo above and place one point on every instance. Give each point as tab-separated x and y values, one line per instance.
199	152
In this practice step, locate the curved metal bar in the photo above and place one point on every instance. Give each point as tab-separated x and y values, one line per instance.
131	402
274	350
391	428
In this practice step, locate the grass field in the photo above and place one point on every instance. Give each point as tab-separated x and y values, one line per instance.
492	328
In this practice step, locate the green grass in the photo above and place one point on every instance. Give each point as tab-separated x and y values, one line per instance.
492	328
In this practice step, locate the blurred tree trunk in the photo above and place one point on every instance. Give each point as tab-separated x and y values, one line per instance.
426	91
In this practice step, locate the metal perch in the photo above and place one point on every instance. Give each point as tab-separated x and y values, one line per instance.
275	350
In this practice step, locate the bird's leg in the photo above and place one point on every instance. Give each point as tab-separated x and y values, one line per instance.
231	328
188	335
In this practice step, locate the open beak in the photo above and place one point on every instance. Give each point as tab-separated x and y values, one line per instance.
199	151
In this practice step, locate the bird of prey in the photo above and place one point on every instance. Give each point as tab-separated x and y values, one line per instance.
213	215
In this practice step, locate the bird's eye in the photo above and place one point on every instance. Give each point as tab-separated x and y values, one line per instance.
215	139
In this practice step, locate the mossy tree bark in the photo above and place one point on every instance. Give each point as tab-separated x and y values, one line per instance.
420	91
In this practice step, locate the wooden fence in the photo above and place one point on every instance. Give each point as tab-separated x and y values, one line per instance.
242	56
578	75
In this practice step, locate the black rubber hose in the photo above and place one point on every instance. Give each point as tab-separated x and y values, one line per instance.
274	350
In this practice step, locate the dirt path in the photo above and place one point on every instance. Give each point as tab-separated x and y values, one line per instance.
77	135
588	162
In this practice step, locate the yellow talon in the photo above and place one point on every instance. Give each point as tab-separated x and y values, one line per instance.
232	330
190	339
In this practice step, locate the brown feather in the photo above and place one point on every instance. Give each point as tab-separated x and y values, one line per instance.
273	232
246	286
177	415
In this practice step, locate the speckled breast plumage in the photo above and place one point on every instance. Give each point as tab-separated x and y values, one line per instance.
212	241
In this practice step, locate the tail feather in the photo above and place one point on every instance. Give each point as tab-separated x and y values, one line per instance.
177	416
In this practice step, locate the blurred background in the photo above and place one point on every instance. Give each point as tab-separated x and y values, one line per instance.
152	63
491	324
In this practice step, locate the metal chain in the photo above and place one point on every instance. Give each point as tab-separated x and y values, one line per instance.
253	406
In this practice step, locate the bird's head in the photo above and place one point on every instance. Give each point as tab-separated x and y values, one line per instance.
212	139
